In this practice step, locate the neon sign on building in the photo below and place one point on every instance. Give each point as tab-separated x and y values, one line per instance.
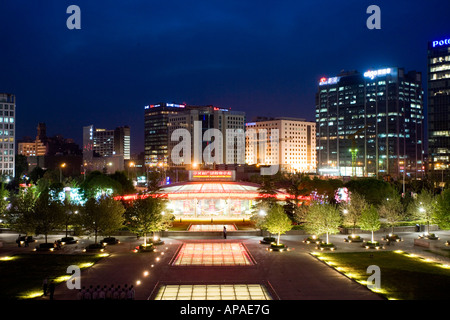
196	175
328	81
372	74
440	43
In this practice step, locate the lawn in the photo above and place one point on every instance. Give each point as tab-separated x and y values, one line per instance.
21	277
403	276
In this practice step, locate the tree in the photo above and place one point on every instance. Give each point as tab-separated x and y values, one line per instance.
423	206
372	189
70	210
268	191
126	184
4	202
21	216
104	216
147	215
323	219
277	221
392	210
352	209
297	185
441	214
325	189
370	220
48	214
97	183
153	180
36	174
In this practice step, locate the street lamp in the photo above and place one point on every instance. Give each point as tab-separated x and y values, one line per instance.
63	165
131	165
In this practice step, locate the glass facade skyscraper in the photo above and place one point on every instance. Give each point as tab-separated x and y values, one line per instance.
162	119
7	134
439	105
370	124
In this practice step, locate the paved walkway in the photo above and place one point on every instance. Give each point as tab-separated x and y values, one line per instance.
294	275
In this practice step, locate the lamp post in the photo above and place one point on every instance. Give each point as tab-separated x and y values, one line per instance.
131	165
63	165
421	209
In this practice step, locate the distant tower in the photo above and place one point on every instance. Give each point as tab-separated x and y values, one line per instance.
41	131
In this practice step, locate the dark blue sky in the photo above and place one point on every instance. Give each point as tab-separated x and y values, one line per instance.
261	57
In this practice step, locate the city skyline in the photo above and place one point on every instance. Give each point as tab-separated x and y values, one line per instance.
264	60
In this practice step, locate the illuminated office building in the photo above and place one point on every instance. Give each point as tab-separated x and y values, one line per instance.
370	124
162	119
197	121
7	134
105	149
439	105
294	150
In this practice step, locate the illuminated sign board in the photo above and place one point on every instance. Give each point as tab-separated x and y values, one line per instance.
377	73
328	81
173	105
202	175
440	43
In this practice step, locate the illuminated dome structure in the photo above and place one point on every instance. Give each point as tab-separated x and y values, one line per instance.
213	194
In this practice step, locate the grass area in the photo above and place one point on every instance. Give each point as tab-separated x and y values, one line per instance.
445	252
22	275
185	223
403	276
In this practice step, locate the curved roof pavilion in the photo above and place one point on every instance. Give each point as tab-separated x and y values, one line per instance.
212	190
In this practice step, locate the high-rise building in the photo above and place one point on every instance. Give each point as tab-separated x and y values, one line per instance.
107	142
156	134
293	151
370	124
439	105
105	149
122	142
7	134
162	119
230	126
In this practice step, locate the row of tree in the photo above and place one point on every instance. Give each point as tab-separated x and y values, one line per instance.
37	210
371	202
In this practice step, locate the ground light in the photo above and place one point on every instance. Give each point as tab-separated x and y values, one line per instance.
362	280
345	272
31	295
85	265
7	258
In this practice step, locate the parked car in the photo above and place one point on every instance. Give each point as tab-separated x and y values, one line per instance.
25	240
95	247
67	240
45	247
110	240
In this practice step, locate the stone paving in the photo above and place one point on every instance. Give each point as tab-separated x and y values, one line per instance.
293	275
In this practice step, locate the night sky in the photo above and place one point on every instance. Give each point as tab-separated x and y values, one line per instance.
261	57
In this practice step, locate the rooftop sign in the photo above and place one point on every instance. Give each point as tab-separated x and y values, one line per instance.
328	81
440	43
377	73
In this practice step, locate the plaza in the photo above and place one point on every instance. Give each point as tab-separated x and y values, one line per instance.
209	267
